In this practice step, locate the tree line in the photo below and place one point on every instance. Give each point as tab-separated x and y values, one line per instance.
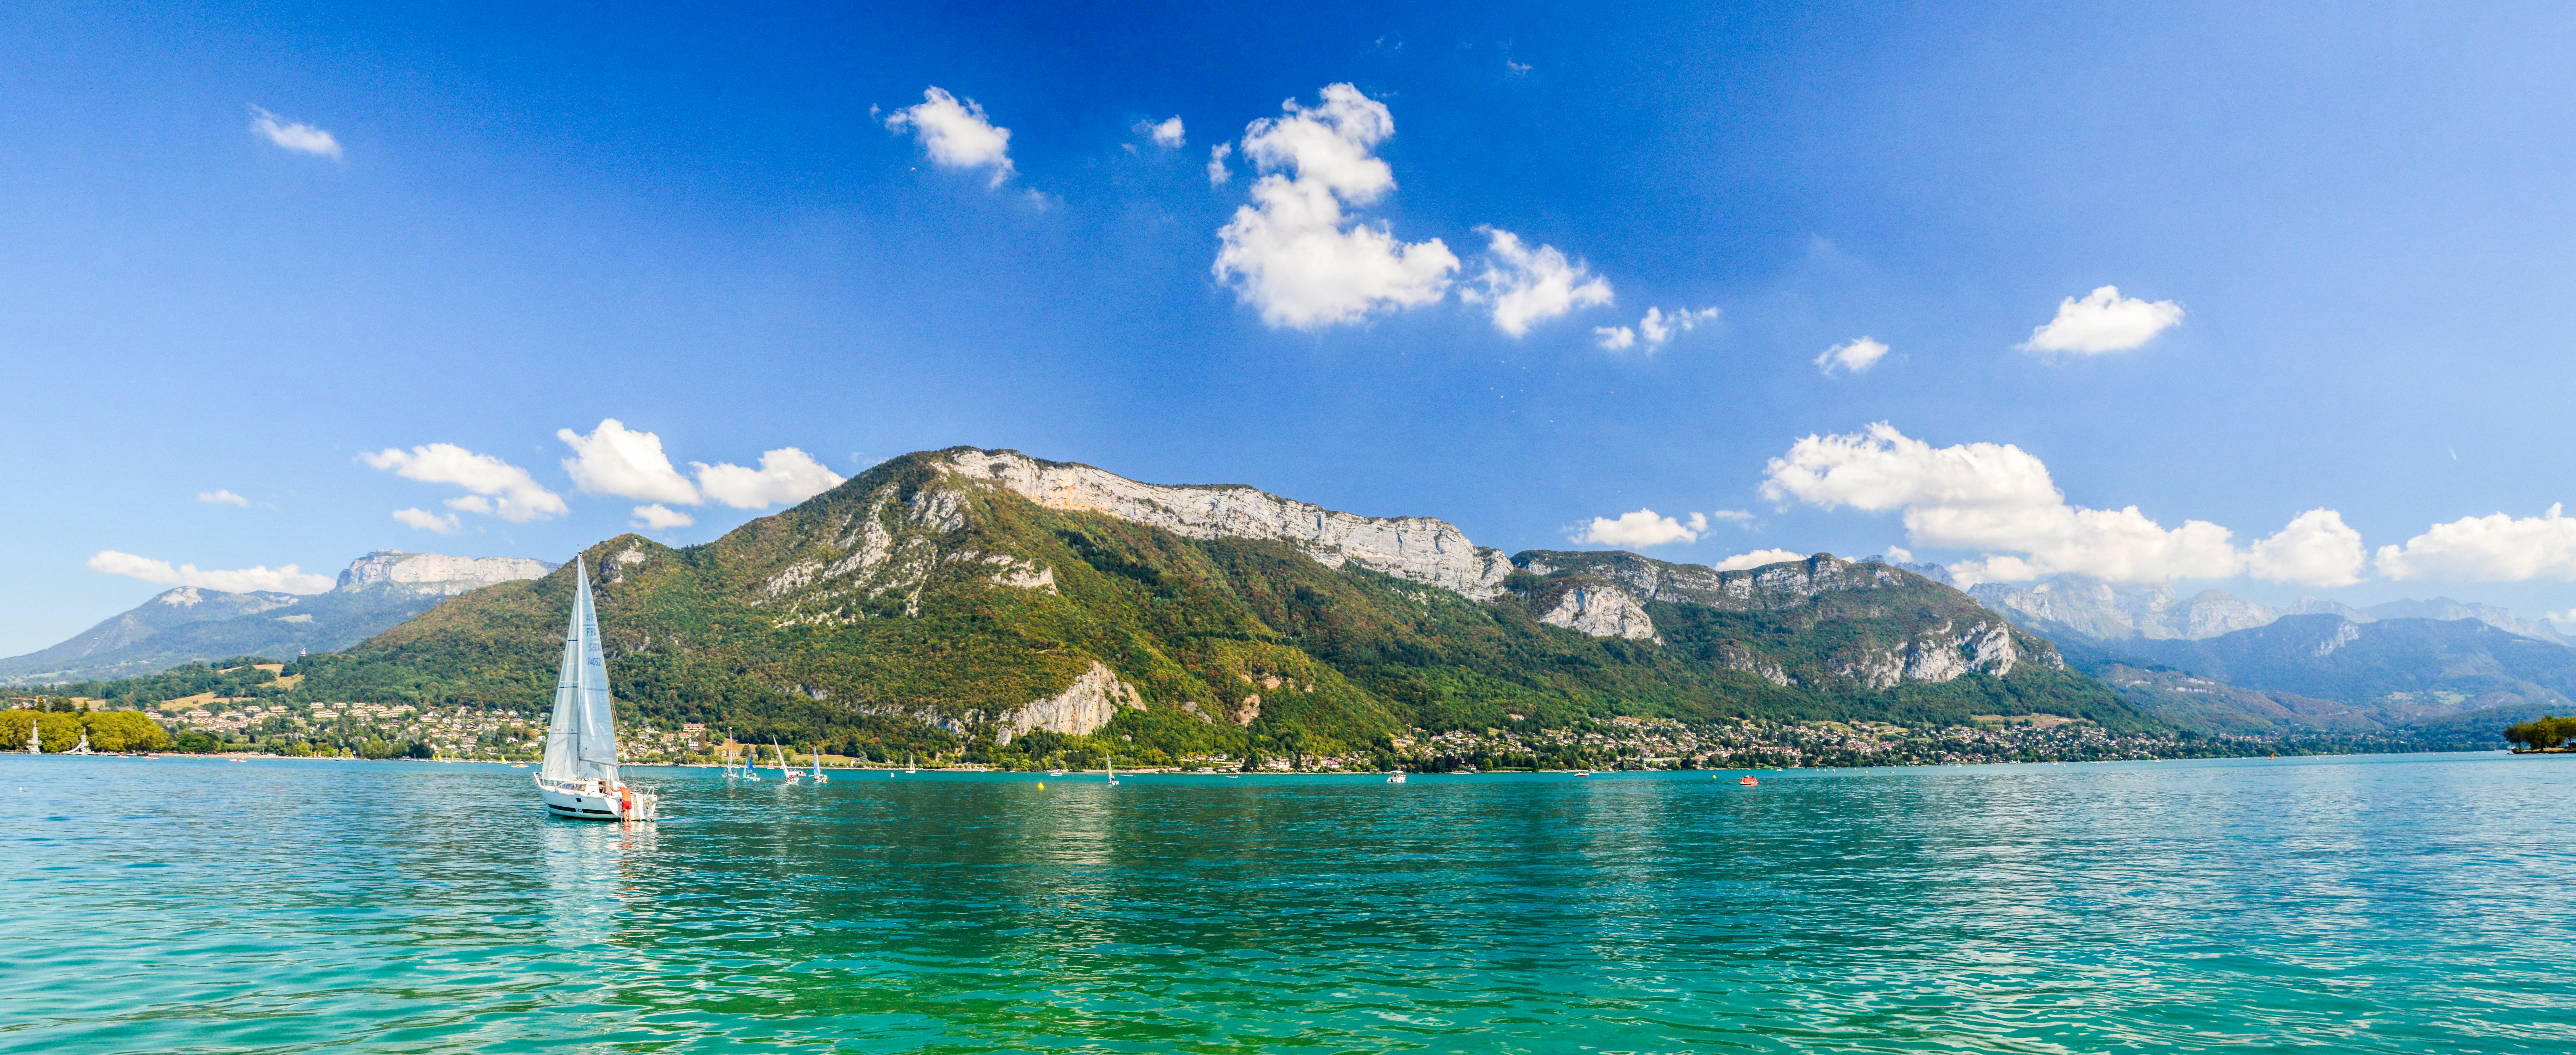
2543	733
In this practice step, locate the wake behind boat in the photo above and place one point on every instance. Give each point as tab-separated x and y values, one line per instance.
579	777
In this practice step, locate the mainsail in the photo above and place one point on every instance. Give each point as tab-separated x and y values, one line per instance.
581	741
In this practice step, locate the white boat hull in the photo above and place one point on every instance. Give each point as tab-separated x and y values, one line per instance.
590	801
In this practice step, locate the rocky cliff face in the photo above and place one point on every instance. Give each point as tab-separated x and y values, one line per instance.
1086	705
1900	626
437	574
1420	549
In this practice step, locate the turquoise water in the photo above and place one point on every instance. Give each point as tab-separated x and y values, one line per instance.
2416	903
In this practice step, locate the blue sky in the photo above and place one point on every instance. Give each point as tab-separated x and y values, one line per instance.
2340	236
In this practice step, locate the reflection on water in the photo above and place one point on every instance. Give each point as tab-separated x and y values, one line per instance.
2378	904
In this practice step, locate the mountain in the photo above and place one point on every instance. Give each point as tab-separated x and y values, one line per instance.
2105	612
986	599
2102	611
189	623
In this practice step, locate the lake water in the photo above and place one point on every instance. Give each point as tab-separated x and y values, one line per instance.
2419	903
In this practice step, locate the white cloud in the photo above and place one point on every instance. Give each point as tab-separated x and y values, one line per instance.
2495	548
2568	616
1900	554
285	579
300	138
1165	134
2317	549
1292	253
1756	559
1528	286
521	500
658	517
785	475
2000	499
443	523
956	135
1641	529
2104	321
221	497
1218	174
1737	515
1851	356
616	460
1659	327
1516	69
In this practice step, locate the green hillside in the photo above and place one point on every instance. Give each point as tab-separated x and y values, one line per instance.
919	608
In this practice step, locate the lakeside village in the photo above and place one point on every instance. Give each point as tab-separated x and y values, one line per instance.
209	724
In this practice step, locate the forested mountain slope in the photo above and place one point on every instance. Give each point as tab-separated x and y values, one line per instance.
973	597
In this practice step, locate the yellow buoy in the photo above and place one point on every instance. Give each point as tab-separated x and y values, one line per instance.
1041	784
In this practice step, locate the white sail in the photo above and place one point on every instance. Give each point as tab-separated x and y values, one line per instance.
581	741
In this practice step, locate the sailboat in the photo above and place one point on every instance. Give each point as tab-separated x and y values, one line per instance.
907	763
819	778
789	775
579	776
34	746
1113	771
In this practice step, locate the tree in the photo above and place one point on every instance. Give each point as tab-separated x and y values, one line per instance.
2542	733
125	731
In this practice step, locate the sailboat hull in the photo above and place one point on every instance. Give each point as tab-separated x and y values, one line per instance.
590	802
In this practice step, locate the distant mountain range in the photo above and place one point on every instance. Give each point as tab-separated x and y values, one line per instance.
188	623
2216	662
2103	611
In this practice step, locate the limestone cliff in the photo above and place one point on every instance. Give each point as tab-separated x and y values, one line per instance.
1420	549
437	574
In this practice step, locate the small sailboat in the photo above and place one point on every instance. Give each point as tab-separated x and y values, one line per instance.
34	745
1113	771
579	775
1396	777
907	763
789	775
819	778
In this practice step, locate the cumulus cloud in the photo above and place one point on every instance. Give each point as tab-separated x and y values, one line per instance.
1641	529
443	523
300	138
1527	286
1657	328
286	579
1756	559
1851	357
2497	548
519	498
616	460
1292	253
1218	174
659	517
1165	134
955	133
2316	549
785	475
221	497
2104	321
2000	499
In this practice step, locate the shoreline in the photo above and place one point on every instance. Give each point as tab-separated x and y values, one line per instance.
249	756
